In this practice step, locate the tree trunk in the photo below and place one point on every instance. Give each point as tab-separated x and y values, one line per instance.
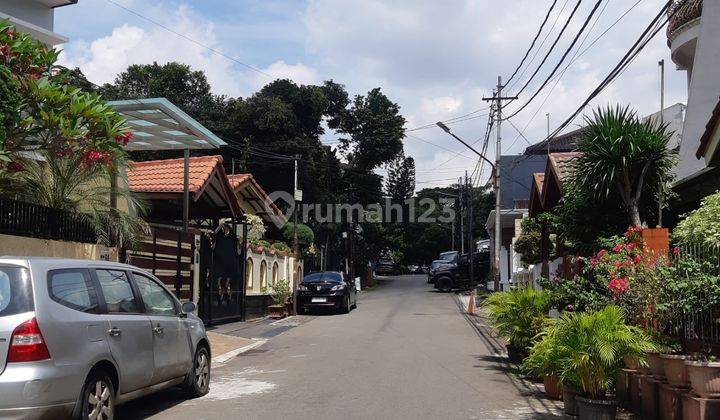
635	214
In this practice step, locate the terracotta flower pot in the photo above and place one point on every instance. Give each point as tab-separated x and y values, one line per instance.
704	378
276	311
631	362
657	367
569	403
676	370
592	409
553	387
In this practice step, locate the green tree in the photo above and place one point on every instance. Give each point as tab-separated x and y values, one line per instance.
701	226
400	183
528	243
624	154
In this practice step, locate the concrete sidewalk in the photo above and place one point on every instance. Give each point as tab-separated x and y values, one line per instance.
225	347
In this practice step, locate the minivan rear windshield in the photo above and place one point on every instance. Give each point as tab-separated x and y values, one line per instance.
324	276
15	291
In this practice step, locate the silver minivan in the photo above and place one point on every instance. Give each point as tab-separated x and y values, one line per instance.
78	337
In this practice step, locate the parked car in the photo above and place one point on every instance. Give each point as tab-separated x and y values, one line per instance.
326	289
433	268
413	269
79	337
454	272
386	267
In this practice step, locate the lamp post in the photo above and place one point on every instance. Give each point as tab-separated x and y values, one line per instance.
496	188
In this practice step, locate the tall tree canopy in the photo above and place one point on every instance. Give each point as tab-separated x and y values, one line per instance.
400	184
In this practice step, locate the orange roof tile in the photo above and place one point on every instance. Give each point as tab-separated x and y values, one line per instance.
539	177
561	163
238	179
168	175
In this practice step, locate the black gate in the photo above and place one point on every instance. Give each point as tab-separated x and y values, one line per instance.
222	267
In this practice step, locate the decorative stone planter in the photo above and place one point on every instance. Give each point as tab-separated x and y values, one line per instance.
569	403
553	387
675	370
591	409
649	392
622	388
277	311
656	364
670	404
635	391
704	378
697	408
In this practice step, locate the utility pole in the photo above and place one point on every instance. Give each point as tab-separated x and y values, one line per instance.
470	230
498	98
462	216
661	63
296	198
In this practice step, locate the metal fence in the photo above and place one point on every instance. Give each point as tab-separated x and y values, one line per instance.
699	329
31	220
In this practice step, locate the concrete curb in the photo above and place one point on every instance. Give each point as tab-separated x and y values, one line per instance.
224	358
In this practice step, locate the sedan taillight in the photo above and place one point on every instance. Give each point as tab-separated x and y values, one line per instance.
27	343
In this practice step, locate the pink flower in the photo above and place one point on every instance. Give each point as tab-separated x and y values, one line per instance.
618	264
628	263
593	261
676	250
601	253
637	259
618	285
630	246
619	247
92	157
124	138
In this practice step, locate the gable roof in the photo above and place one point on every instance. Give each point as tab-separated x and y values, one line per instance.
535	206
709	130
165	179
253	198
562	143
556	172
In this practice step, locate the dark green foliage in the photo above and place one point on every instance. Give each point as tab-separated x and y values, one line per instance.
305	235
400	184
528	243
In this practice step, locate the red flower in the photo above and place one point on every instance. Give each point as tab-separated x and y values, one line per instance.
618	285
618	264
92	157
628	263
630	246
593	261
124	138
637	259
619	247
676	250
601	253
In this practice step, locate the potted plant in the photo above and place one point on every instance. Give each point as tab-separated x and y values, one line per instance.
280	293
519	315
704	376
591	347
544	361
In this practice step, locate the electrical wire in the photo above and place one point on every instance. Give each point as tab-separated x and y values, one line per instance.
532	44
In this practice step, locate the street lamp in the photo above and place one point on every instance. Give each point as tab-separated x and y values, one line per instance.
496	187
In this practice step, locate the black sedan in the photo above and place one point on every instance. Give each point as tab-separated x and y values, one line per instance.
326	289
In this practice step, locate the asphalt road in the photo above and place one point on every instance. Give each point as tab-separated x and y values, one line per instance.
406	352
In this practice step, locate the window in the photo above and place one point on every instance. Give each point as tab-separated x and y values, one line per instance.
249	273
73	289
118	293
263	274
156	299
15	291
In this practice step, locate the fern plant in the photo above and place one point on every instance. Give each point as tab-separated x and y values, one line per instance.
588	348
519	315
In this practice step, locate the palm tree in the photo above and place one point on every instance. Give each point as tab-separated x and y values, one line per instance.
620	151
67	183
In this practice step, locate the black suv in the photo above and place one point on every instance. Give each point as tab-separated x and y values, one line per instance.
455	273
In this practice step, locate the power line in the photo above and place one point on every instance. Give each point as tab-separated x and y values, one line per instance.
552	47
154	22
532	44
559	63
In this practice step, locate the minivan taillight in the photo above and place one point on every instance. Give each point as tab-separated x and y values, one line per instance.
27	343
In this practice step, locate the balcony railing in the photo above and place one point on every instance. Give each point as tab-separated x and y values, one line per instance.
682	12
31	220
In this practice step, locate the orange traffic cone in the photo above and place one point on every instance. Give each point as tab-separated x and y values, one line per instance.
471	304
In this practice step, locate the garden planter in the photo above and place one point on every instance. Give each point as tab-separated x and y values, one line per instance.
569	403
656	364
630	362
592	409
515	354
649	396
622	388
553	387
670	402
675	370
634	392
697	408
276	311
704	378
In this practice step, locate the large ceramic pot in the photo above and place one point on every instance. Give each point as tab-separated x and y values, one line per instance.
276	311
592	409
704	378
676	370
553	387
656	364
569	403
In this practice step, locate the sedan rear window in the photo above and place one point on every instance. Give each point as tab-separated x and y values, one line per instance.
324	276
15	291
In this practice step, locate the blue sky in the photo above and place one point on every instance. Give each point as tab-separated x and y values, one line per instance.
436	59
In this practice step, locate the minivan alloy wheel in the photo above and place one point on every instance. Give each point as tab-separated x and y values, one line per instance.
202	370
99	401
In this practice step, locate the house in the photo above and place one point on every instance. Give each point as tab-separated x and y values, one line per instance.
35	17
693	36
710	139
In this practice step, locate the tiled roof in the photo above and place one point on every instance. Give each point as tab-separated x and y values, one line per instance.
168	175
709	130
238	179
563	143
561	163
539	177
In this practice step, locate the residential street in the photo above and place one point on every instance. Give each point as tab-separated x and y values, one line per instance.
406	352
